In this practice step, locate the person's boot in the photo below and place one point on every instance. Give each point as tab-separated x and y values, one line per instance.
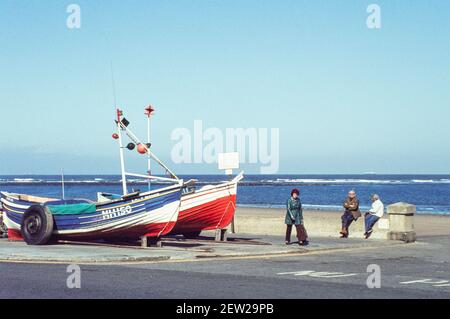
344	233
367	234
304	242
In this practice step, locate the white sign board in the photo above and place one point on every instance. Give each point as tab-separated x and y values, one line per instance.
228	161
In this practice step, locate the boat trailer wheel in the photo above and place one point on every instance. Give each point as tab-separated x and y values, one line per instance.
37	225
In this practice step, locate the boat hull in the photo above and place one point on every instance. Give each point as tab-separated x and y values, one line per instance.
207	209
150	214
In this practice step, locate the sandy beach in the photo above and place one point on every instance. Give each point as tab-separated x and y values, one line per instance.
425	225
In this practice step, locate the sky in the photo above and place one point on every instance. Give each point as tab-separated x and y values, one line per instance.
345	98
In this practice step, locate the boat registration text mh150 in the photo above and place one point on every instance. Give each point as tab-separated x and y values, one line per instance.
116	212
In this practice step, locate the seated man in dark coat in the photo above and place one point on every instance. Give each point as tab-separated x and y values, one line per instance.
351	213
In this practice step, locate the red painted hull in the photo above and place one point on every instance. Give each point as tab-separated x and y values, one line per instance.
14	235
208	210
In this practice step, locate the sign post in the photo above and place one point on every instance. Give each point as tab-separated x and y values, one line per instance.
228	162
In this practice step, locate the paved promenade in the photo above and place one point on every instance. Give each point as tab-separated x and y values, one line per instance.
176	249
418	270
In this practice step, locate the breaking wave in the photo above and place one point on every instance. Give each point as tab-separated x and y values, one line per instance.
250	180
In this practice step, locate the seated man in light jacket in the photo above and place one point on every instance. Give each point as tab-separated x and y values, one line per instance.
373	215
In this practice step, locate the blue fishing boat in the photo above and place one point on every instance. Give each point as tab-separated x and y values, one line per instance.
132	215
37	220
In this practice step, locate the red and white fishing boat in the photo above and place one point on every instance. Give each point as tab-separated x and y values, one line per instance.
209	207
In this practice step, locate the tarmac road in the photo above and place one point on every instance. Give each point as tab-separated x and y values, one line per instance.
420	270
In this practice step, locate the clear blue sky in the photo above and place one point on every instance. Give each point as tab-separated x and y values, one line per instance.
347	99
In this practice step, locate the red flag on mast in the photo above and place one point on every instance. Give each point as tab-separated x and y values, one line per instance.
149	110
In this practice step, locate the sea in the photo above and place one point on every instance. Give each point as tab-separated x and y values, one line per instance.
430	193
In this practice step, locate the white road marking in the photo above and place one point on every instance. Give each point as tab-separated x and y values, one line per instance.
444	285
433	282
317	274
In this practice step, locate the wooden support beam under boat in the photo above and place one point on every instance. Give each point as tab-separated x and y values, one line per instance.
150	242
144	241
221	235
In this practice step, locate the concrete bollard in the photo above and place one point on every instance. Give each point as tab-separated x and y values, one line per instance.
401	222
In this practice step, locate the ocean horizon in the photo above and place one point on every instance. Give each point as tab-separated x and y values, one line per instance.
429	192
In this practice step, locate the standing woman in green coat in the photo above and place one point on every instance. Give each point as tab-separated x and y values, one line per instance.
294	216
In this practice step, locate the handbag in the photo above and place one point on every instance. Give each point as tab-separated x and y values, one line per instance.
303	235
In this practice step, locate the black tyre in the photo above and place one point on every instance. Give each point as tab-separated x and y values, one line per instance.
192	235
37	225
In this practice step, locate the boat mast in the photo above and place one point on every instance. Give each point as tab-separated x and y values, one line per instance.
153	156
122	159
62	185
149	111
149	164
